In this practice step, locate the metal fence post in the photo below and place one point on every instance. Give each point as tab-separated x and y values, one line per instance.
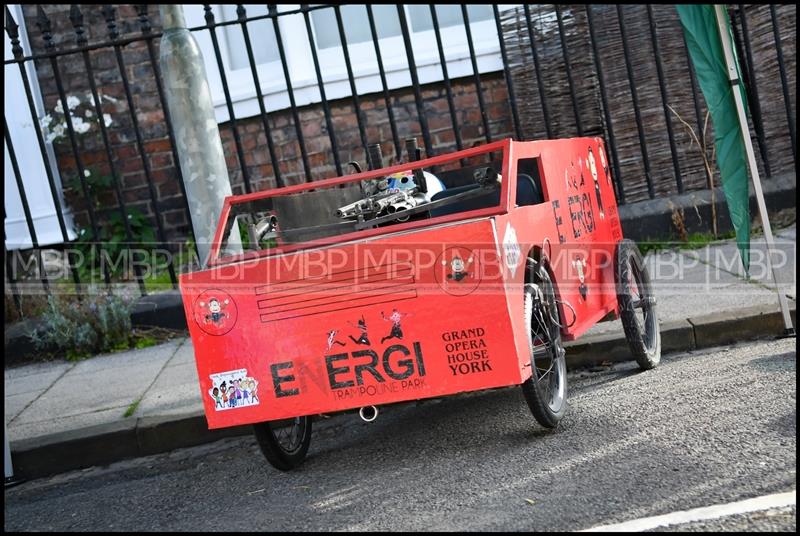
8	468
188	96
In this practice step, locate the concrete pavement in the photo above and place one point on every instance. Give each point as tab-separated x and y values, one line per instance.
63	415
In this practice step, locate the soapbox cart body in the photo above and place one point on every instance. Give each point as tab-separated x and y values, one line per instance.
456	273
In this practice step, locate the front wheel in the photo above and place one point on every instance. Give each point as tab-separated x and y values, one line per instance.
637	305
546	390
284	443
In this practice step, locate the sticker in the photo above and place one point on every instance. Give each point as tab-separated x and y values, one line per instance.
580	266
511	250
558	220
458	270
603	163
215	312
593	169
233	389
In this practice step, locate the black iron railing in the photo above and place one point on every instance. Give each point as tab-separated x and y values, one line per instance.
45	52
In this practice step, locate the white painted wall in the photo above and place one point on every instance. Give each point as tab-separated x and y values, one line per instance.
29	159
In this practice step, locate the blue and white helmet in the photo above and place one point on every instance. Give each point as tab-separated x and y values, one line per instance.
404	180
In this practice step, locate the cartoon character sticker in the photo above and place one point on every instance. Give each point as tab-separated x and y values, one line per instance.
593	169
512	253
233	389
458	270
579	263
215	312
604	164
403	180
216	315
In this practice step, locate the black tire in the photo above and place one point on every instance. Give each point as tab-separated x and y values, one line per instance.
546	390
634	293
284	443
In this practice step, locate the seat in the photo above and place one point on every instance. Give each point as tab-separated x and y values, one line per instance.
491	199
528	193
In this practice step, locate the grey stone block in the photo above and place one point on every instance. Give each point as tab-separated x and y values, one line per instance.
74	449
165	433
732	326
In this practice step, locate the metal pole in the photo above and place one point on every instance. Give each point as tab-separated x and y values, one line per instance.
412	70
8	468
751	161
758	121
447	86
612	141
188	96
637	114
386	99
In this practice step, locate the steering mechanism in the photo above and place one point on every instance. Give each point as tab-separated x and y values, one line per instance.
264	228
393	195
486	177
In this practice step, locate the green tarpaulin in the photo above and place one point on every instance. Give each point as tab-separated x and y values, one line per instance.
703	40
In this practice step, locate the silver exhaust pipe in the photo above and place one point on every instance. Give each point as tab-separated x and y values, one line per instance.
368	413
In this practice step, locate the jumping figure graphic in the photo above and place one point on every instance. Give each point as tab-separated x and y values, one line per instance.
397	330
332	339
362	326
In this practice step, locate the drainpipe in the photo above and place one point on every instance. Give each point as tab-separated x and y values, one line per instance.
199	146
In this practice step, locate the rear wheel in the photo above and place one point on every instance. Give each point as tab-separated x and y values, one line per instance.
546	390
284	443
637	305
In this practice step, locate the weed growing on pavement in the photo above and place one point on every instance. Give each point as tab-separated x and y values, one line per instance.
145	342
131	409
693	241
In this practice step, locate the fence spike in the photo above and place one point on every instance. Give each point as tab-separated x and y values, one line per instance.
111	20
210	21
241	12
12	29
76	17
144	18
43	23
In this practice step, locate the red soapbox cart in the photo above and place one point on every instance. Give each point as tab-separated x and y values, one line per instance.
456	273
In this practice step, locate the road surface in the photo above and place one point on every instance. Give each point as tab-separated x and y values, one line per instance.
705	428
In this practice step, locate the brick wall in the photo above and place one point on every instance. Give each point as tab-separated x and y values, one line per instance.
377	127
166	192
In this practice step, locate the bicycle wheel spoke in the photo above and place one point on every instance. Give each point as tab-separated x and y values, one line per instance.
544	374
548	386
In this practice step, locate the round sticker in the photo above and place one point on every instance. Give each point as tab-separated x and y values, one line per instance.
458	271
215	312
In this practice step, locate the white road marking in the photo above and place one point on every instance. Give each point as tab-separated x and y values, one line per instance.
766	502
